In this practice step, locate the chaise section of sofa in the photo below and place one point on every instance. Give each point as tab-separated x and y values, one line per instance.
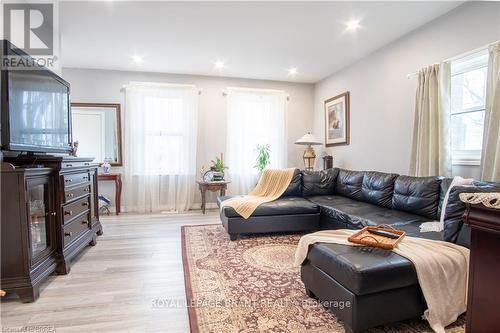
290	213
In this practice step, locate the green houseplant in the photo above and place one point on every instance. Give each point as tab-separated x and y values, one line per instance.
218	165
262	157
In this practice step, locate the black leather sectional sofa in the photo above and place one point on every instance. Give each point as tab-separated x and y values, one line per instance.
380	286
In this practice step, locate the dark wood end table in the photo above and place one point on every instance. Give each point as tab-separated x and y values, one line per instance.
212	187
117	178
483	297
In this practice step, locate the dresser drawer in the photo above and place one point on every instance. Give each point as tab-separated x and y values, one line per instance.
74	229
75	208
72	179
73	193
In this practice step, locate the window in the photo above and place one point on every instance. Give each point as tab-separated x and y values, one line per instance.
164	135
254	116
163	125
468	104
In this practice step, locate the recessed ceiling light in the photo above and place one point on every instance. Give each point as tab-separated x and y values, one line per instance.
219	64
352	25
292	71
137	59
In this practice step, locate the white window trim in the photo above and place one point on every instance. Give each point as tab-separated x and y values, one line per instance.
463	160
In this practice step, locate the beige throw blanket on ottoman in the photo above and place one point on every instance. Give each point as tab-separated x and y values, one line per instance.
442	271
272	184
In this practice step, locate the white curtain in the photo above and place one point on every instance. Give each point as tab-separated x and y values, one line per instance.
254	117
490	158
161	123
431	148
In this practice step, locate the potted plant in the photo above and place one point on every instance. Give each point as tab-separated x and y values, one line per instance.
218	167
262	157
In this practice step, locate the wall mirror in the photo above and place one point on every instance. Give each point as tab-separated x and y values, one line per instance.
97	129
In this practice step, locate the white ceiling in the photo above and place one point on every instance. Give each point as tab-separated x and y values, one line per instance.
254	39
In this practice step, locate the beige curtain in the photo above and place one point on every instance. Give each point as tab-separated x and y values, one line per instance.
490	159
431	148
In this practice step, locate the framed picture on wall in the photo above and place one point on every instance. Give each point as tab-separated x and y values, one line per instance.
337	120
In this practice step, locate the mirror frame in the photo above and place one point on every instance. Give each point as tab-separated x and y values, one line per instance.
119	162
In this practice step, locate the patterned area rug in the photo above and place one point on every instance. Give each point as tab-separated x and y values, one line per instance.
250	285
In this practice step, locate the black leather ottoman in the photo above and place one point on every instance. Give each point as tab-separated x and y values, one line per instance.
374	286
286	214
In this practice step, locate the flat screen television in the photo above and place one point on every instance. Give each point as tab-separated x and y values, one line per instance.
36	113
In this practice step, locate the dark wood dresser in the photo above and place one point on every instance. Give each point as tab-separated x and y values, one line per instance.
483	299
49	214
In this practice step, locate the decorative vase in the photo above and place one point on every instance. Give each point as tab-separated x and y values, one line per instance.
106	167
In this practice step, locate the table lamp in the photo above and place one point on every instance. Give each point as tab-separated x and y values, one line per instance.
309	155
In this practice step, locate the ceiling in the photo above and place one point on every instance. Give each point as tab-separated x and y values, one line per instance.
259	40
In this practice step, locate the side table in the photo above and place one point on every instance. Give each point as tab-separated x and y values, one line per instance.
483	297
212	187
117	178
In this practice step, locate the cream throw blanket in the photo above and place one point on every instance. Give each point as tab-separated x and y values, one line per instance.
272	184
442	271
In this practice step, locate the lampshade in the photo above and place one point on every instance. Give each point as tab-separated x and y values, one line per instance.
308	140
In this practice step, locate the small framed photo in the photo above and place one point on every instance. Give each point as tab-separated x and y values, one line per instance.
337	120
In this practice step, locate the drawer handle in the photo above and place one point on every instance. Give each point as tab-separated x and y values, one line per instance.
85	178
85	222
69	165
85	203
69	180
68	234
68	212
86	189
70	195
53	213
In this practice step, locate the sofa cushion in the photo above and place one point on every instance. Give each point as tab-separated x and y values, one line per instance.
295	187
282	206
318	182
453	221
377	188
349	183
352	214
417	195
363	270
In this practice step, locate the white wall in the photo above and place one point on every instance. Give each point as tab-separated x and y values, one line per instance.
382	97
104	86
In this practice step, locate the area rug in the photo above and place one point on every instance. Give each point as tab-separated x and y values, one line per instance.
250	285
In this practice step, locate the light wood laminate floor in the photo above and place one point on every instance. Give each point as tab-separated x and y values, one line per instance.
131	281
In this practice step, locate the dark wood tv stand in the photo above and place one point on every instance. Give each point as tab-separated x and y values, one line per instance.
49	214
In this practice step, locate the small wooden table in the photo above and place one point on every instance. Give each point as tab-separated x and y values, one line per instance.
117	178
212	187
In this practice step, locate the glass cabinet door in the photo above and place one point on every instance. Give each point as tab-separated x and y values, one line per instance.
94	210
38	215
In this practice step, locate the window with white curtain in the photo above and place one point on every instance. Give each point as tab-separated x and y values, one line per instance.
161	126
468	104
166	133
254	116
